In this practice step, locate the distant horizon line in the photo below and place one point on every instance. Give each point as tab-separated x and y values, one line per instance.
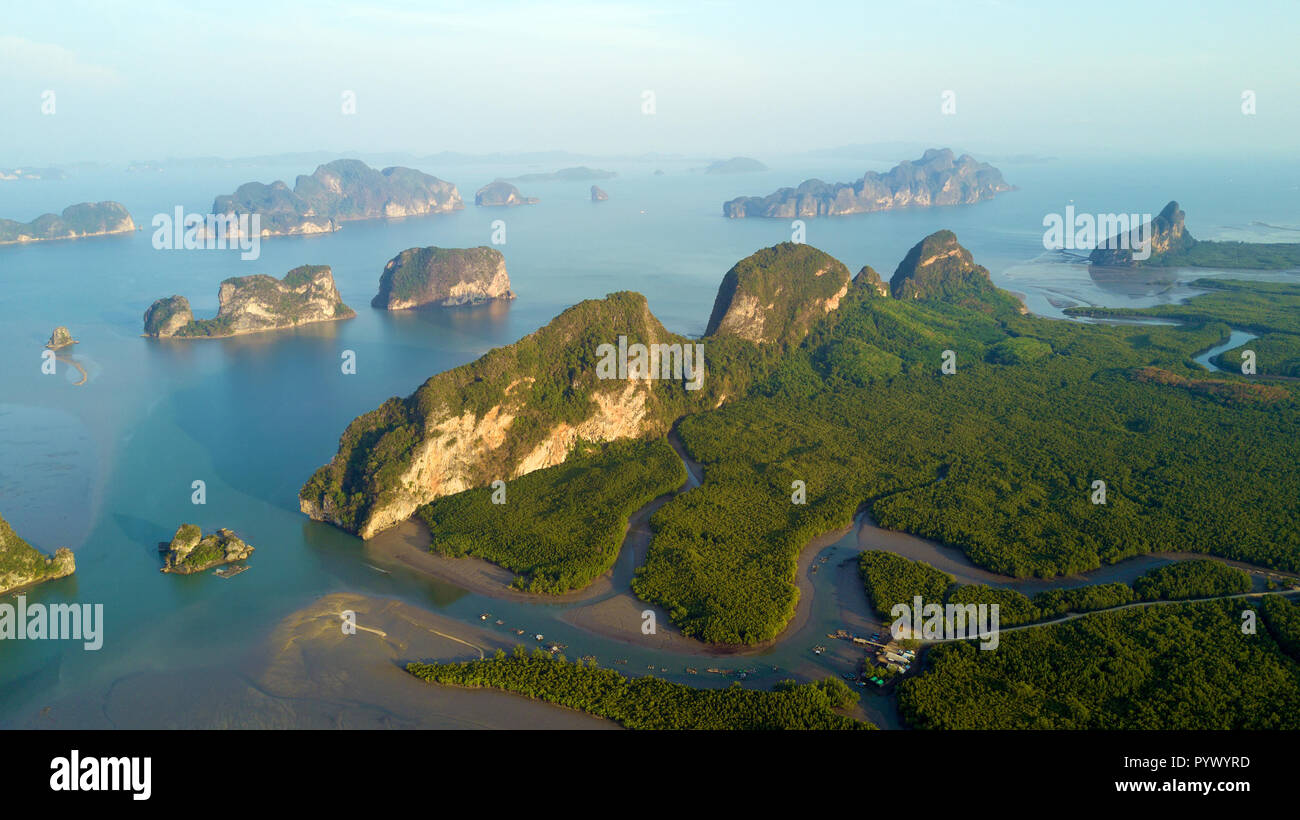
874	152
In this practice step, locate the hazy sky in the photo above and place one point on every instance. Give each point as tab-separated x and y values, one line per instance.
152	80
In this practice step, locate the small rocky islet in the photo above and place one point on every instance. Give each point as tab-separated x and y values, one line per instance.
501	194
445	277
60	338
253	304
191	551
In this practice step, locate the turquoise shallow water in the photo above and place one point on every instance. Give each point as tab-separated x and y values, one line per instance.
106	468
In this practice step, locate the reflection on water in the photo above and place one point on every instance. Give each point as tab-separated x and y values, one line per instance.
1135	282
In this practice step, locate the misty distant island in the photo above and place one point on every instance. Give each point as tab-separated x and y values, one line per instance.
253	304
32	173
937	178
736	165
445	277
501	194
579	174
598	194
337	192
77	222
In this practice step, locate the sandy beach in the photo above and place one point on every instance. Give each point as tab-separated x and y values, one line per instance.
309	674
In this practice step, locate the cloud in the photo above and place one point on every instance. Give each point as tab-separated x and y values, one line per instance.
52	64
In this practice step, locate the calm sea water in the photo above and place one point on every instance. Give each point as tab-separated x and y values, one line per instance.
106	468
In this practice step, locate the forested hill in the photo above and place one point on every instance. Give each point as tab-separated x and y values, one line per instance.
947	411
997	458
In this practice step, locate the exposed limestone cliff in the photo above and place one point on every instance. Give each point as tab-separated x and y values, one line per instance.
776	294
936	179
501	194
525	406
76	222
191	551
518	408
251	304
22	565
339	191
442	276
1166	232
167	316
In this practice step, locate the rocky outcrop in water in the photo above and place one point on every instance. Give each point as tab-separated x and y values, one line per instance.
60	338
1166	232
501	194
77	222
597	195
337	192
191	551
936	179
22	565
252	304
442	276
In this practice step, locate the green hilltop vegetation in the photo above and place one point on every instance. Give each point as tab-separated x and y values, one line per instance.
777	294
560	527
891	579
1177	666
648	702
996	459
548	381
21	564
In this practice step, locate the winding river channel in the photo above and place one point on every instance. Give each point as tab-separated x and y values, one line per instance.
604	620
